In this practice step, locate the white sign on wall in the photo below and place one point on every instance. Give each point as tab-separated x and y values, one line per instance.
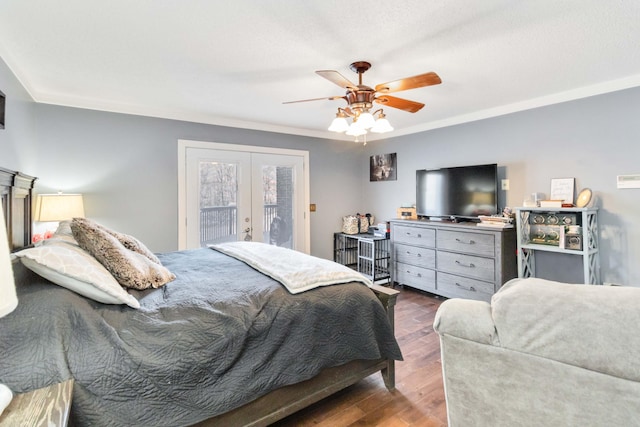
628	181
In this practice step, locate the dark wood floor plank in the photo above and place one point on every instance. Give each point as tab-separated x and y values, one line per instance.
418	400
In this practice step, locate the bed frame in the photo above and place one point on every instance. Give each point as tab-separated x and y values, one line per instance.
286	400
16	191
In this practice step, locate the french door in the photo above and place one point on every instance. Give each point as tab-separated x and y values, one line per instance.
232	192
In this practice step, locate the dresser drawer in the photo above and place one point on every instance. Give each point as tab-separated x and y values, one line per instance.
463	287
414	235
422	257
471	243
466	265
416	277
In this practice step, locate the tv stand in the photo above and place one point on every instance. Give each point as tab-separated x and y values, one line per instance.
452	259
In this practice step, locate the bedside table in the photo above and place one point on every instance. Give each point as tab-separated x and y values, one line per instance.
48	406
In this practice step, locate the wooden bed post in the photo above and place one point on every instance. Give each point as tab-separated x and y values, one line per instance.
388	297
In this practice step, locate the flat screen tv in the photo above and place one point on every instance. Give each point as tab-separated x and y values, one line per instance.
457	193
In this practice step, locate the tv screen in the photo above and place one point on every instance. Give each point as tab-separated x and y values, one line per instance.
463	192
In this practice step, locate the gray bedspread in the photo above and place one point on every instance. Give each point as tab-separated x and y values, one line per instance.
219	336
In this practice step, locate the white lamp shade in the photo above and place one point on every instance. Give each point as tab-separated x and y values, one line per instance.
382	125
8	298
58	207
339	124
355	130
366	120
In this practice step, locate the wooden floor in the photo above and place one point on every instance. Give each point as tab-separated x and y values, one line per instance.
419	396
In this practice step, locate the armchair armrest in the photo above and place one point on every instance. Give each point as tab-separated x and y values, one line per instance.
466	319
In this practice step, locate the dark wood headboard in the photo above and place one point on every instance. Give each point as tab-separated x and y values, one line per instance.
16	191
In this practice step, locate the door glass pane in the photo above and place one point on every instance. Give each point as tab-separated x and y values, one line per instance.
278	202
218	201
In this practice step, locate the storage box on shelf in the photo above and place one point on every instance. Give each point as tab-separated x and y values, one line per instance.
558	230
451	259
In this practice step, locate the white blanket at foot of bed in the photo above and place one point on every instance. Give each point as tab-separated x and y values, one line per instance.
297	271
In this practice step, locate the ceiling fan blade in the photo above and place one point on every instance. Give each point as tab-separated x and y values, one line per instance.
414	82
337	78
331	98
402	104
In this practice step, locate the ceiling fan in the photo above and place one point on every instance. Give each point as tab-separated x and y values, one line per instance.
360	98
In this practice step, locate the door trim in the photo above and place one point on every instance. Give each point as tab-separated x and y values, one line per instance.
184	144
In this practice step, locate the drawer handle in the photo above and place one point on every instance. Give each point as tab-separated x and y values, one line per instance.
419	255
417	275
470	265
470	288
470	242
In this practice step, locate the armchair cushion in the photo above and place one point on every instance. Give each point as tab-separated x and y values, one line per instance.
595	327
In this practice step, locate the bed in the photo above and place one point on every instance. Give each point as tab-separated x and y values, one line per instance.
221	344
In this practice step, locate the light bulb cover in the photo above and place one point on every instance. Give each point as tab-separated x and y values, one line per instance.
382	125
366	120
339	124
355	130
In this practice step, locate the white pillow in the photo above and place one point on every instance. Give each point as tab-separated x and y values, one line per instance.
73	268
62	233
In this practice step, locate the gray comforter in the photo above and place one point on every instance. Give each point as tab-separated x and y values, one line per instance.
219	336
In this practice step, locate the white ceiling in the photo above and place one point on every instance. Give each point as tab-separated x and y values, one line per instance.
233	62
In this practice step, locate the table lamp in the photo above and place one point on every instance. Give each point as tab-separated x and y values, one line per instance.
58	207
8	298
53	208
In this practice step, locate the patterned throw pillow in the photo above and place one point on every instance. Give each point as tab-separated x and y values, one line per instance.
130	268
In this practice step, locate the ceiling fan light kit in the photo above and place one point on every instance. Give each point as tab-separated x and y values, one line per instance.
339	124
360	99
362	122
382	125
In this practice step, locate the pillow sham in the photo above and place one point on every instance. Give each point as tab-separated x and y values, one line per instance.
71	267
131	269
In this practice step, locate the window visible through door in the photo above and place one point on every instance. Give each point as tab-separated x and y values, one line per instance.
230	192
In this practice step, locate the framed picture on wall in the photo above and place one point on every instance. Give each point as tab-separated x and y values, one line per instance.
383	167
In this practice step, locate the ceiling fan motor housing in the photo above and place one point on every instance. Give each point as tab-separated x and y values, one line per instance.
362	99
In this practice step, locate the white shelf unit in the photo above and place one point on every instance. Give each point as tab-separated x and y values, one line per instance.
587	218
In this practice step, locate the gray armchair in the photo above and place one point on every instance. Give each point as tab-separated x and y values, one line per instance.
542	354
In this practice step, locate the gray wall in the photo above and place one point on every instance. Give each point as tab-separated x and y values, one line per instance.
593	140
126	166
